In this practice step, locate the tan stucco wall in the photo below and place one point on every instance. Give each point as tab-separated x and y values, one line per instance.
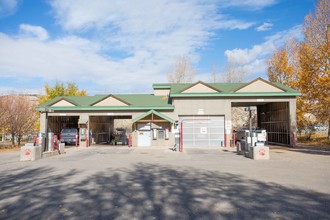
259	86
199	88
110	101
155	143
200	106
161	92
134	139
63	103
163	142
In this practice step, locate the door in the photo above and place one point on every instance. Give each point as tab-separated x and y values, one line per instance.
144	138
203	131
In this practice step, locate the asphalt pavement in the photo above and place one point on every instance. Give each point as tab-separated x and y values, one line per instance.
143	183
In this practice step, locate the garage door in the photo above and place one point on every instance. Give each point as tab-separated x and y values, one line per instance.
203	131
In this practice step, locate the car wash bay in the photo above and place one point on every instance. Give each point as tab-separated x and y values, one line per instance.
274	117
102	129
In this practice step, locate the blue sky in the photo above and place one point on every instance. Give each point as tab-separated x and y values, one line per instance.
123	46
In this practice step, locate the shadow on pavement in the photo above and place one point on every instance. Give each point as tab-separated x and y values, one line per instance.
312	150
304	149
152	192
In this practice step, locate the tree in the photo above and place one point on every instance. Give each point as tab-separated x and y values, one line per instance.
284	66
60	89
3	112
3	116
232	73
183	71
306	66
314	79
215	74
20	117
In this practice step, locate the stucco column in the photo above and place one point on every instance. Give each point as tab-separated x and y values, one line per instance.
228	123
293	122
42	122
83	123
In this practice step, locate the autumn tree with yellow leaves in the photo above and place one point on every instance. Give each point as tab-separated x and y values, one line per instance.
60	89
306	66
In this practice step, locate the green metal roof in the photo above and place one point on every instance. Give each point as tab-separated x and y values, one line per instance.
134	101
153	112
227	90
151	102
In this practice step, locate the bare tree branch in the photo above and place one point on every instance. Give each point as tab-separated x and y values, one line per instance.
183	72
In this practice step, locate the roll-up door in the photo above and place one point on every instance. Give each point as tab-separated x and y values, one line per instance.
203	131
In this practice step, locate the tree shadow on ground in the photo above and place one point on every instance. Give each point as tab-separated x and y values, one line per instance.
152	192
312	150
325	151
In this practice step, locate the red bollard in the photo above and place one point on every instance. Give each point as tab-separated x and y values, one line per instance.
130	140
55	142
34	139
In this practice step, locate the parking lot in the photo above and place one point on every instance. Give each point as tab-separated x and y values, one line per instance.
139	183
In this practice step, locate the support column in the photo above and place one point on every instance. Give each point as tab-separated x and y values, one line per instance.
83	124
228	123
42	122
293	122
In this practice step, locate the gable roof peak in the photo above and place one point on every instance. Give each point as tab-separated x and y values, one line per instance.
108	97
62	101
266	85
206	88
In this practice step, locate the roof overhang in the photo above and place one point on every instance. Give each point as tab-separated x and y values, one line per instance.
108	108
272	94
155	113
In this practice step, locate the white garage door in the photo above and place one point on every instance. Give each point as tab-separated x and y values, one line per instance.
144	138
203	131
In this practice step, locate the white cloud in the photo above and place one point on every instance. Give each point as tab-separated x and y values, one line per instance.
53	60
34	31
253	59
248	4
7	7
73	41
149	37
4	90
232	24
265	27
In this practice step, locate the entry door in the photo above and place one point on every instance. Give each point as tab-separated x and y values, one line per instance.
144	138
203	131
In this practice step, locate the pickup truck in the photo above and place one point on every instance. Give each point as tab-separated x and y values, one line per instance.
69	135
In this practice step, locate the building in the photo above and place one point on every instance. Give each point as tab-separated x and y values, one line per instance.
200	111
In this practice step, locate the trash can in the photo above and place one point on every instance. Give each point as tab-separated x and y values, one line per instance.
40	139
50	141
244	145
239	148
